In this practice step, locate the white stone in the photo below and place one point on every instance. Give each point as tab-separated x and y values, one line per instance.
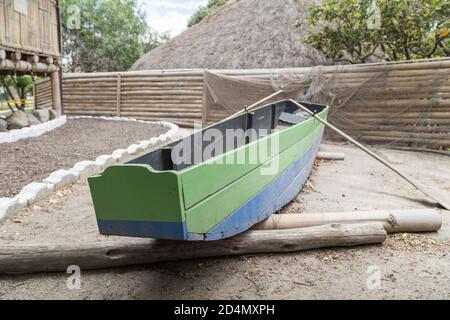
105	161
61	178
134	149
32	132
34	192
154	141
85	169
9	207
120	155
144	145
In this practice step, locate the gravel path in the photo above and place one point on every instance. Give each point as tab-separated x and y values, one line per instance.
32	160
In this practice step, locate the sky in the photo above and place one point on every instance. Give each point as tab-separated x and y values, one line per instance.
170	15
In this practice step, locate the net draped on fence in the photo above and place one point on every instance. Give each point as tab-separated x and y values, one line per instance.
394	104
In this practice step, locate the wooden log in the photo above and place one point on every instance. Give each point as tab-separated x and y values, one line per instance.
56	92
394	221
322	155
20	259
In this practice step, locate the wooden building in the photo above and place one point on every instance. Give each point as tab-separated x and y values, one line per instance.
30	41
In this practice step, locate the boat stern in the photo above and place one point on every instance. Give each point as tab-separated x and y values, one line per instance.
135	201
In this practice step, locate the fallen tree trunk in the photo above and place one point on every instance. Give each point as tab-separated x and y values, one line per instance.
98	255
394	221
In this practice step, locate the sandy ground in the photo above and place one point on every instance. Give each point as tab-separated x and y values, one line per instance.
407	266
33	159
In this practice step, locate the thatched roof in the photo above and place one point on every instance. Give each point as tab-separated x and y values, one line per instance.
243	34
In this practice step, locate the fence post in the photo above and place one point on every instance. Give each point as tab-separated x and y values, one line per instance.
119	94
204	102
56	91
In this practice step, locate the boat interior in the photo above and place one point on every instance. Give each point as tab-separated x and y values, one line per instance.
227	135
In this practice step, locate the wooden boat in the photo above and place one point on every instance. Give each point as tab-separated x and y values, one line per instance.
221	188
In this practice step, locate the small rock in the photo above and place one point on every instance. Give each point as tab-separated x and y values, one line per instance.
43	115
32	120
3	125
52	114
17	120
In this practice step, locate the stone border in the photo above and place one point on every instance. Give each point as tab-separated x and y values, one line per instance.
59	179
33	131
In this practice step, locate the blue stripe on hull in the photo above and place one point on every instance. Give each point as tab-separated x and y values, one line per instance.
271	199
144	229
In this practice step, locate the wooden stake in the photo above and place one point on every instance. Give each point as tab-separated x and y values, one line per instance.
414	183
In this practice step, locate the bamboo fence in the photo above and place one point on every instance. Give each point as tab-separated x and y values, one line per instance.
405	103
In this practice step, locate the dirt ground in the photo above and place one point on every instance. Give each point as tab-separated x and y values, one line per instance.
407	266
31	160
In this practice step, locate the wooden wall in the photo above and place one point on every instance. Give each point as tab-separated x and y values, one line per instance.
175	96
43	95
35	32
395	104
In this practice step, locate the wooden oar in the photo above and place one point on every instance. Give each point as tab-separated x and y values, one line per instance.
253	105
424	190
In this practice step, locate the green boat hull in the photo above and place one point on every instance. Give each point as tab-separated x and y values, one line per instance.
214	199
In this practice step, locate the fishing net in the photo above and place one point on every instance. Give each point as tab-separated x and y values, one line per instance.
390	104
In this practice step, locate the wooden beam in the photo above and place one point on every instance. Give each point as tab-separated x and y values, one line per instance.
19	259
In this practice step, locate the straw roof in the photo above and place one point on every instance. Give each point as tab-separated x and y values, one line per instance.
243	34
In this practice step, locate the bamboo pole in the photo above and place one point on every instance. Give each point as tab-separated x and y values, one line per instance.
257	103
322	155
415	184
394	221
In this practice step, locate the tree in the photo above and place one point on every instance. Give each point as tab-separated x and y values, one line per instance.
356	31
22	84
105	35
203	12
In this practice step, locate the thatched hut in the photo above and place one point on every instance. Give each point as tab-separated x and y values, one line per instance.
242	34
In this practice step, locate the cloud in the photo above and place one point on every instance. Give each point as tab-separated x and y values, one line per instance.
170	15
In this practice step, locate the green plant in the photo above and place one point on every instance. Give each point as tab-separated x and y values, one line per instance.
356	30
203	11
22	84
109	35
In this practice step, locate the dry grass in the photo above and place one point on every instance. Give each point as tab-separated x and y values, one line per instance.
243	34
